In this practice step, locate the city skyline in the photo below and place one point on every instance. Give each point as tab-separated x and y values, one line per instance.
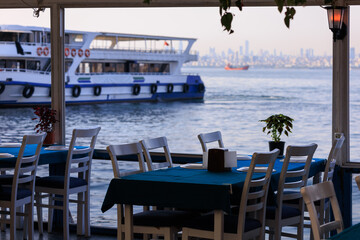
262	27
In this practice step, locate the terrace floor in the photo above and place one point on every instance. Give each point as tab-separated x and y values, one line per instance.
58	236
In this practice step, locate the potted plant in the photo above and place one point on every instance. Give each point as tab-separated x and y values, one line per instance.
46	120
276	125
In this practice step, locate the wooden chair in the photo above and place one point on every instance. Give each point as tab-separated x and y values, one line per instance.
288	190
156	222
76	180
320	192
250	222
205	138
357	180
156	143
19	190
323	207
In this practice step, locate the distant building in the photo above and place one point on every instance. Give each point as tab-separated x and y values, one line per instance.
241	51
247	48
352	53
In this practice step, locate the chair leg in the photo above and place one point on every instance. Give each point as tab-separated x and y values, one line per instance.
80	215
66	217
50	212
300	231
3	217
87	213
12	223
277	233
39	212
30	220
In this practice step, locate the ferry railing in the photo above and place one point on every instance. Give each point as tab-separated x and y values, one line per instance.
23	70
123	73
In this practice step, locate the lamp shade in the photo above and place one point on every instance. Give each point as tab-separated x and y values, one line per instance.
335	17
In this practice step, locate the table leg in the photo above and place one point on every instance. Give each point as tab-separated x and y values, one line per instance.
128	222
218	225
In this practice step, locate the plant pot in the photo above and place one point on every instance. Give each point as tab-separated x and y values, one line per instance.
49	139
279	145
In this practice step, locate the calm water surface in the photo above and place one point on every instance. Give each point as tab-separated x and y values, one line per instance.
234	103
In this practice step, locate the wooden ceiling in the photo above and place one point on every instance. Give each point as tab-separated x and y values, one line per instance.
139	3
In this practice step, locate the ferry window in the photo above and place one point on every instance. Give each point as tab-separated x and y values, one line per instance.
8	37
33	65
67	39
11	64
110	67
143	67
134	67
165	68
67	65
79	38
2	63
86	68
24	37
120	67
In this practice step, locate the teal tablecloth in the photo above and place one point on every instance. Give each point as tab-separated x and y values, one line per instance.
188	188
350	233
46	157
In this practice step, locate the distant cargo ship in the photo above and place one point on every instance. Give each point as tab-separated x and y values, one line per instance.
99	67
229	67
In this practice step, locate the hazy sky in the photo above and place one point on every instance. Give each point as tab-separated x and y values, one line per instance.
262	27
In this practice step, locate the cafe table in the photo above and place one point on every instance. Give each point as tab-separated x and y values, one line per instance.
352	232
193	189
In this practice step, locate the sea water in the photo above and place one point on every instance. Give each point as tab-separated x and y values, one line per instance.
234	103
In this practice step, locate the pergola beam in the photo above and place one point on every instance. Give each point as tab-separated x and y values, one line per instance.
140	3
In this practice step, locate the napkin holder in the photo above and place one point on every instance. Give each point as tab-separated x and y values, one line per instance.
219	160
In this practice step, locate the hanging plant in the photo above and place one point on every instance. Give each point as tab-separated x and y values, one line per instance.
227	16
46	119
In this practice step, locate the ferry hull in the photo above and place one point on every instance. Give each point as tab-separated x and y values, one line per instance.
21	94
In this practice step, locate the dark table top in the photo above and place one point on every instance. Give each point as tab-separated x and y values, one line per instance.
189	188
352	233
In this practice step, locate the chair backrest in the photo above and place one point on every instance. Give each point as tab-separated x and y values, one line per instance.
333	156
322	191
79	159
255	191
205	138
116	151
25	168
293	180
156	143
357	180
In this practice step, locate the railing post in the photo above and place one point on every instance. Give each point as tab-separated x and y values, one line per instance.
340	116
58	70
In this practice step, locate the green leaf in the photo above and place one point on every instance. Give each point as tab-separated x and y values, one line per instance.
289	14
280	4
226	20
239	4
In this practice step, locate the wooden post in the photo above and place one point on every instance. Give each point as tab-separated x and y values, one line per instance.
58	70
340	117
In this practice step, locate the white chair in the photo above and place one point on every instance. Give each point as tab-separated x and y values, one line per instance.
156	143
357	180
205	138
323	207
288	189
156	222
320	192
250	222
76	180
19	189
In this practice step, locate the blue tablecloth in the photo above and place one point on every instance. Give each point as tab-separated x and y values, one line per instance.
352	233
188	188
46	156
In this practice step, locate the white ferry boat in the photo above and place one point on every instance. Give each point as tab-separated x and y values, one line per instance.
100	67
